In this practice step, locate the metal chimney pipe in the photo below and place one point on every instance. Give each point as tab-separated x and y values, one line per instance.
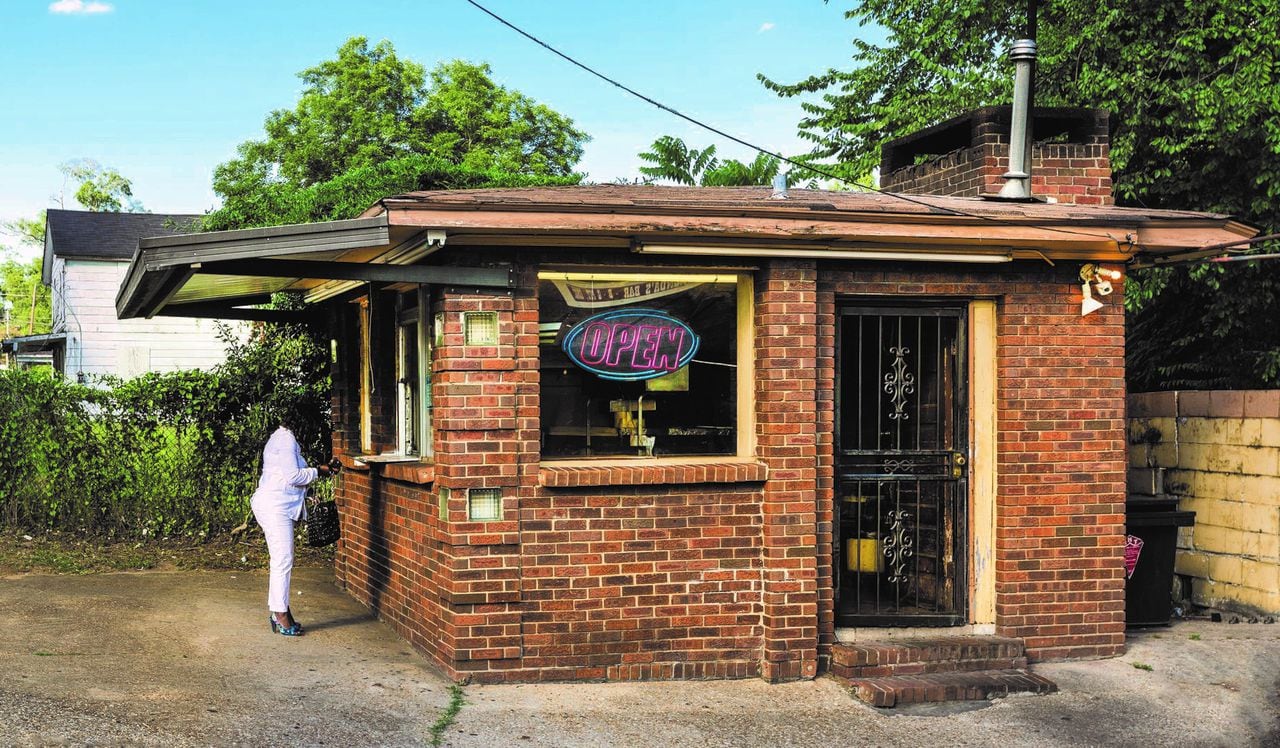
779	187
1017	184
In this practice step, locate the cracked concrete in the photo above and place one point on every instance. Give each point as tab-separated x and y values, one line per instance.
186	658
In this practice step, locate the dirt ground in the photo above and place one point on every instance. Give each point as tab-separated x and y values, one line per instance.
69	554
185	658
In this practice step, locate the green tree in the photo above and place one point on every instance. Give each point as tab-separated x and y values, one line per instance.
24	300
369	124
100	188
1193	89
672	160
29	231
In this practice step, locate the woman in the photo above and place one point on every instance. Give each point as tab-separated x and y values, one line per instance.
277	504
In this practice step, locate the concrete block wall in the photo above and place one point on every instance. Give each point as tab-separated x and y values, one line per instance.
1219	452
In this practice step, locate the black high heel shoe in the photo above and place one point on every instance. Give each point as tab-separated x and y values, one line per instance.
276	628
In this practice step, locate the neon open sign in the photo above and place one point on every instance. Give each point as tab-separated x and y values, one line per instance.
631	344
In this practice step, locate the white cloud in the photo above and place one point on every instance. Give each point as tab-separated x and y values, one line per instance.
766	26
79	7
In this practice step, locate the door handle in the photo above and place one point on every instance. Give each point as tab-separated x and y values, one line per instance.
958	461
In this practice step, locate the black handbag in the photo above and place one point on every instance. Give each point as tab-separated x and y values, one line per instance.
322	524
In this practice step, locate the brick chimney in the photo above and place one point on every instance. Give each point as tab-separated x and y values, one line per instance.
967	156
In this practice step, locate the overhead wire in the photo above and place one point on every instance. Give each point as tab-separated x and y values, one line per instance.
1229	252
752	146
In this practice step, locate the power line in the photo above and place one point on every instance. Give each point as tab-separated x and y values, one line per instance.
740	141
1229	253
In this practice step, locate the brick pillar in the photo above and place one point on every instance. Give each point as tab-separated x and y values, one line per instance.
478	447
786	406
1060	521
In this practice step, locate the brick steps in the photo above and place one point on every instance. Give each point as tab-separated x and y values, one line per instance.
897	690
944	668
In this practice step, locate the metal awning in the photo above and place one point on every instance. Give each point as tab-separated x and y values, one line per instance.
226	274
33	343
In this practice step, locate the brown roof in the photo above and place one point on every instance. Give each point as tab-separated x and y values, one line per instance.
711	200
229	268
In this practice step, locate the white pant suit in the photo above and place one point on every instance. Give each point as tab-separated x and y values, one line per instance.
277	504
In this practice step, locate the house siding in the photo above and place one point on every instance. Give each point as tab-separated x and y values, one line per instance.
98	343
647	572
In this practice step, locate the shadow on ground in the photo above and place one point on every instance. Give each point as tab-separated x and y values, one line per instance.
186	658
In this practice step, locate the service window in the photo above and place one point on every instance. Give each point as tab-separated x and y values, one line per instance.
643	365
411	397
366	377
408	386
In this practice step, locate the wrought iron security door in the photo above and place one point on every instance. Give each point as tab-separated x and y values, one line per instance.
901	500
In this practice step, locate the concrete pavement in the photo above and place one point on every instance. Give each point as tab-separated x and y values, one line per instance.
186	658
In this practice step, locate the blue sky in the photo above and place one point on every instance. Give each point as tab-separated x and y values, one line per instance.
163	90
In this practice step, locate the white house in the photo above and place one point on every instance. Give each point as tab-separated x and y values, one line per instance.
86	255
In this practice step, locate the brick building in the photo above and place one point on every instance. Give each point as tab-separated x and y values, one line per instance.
624	432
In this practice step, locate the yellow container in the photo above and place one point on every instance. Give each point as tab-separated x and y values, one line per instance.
864	555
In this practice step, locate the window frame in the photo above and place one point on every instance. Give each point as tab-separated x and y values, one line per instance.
408	384
745	430
411	326
365	381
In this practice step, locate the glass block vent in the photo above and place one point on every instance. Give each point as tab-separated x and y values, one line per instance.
481	328
443	502
484	504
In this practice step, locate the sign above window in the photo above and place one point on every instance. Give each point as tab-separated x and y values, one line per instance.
631	344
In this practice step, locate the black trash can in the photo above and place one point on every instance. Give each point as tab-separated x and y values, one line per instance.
1148	593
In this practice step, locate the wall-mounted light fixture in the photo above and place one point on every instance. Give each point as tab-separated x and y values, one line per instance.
1093	277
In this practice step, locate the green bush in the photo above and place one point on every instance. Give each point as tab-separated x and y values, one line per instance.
175	454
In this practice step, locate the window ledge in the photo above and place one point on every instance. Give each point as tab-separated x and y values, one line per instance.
651	472
353	464
387	458
416	471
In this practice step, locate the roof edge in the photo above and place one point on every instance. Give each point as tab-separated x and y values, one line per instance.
263	232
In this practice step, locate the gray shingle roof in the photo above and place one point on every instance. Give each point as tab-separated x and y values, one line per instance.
83	233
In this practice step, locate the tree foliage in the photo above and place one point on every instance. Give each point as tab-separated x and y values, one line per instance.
1193	90
674	161
25	302
29	231
25	308
100	188
369	124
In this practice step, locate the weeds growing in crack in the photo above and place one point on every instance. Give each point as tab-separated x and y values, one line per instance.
445	720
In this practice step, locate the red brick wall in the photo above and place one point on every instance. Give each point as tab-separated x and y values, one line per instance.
787	426
1061	441
1068	173
708	571
1075	171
